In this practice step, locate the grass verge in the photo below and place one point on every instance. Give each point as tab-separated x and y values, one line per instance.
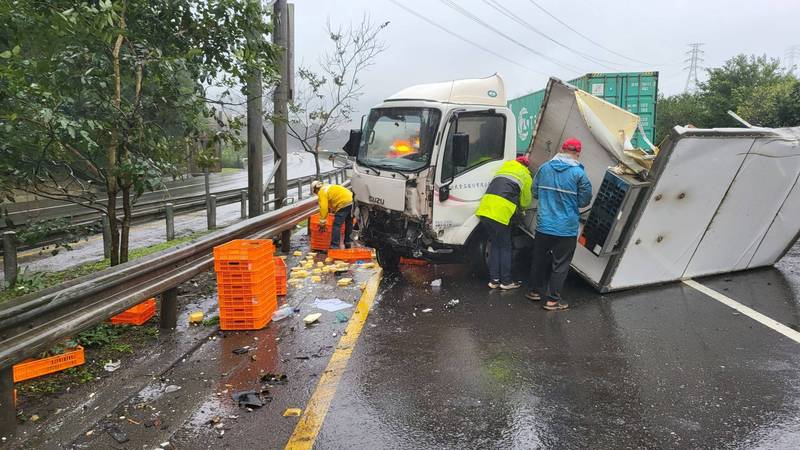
36	281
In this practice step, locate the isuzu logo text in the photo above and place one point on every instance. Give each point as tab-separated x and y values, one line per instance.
376	200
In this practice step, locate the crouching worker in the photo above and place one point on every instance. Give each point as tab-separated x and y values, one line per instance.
562	187
337	200
508	193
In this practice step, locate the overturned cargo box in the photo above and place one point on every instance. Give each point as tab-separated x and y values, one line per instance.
710	201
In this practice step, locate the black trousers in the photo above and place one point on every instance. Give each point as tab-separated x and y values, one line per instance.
500	250
343	217
552	256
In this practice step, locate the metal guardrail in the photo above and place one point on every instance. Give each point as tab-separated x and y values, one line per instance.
33	323
151	210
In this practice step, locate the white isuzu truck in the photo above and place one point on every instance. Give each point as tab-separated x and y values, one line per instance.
709	201
423	159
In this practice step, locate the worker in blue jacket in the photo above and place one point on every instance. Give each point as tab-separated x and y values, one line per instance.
562	187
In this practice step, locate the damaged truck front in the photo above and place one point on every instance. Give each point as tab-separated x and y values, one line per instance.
423	160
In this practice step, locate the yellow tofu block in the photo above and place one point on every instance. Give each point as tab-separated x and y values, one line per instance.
320	264
282	256
299	274
367	265
316	271
196	317
311	254
316	278
325	270
308	266
328	260
344	282
363	285
297	253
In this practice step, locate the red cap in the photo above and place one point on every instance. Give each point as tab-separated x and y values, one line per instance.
572	144
523	160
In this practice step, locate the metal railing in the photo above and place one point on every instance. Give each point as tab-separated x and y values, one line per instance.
33	323
155	209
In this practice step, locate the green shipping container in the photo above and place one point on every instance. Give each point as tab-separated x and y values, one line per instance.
636	92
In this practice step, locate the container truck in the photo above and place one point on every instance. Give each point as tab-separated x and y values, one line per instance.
709	201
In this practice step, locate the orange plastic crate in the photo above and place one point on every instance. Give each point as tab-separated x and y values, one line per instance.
413	262
246	277
280	276
242	266
137	315
52	364
244	250
235	301
253	323
321	240
249	312
265	286
350	254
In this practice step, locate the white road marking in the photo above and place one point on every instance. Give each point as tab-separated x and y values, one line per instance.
749	312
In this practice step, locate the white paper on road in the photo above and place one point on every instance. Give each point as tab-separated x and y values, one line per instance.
330	304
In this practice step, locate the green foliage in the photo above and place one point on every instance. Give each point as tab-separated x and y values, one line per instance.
103	96
754	87
60	229
103	334
211	321
81	374
122	347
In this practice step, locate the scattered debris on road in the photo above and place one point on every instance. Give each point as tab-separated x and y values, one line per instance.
452	303
436	283
292	412
112	365
330	304
311	318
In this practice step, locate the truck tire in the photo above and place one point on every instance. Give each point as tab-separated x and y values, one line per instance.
388	259
479	256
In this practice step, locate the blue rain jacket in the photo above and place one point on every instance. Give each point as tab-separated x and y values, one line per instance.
562	187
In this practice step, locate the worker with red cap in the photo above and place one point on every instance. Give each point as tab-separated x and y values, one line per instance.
562	187
508	193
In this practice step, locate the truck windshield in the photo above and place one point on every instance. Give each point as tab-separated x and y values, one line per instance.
399	138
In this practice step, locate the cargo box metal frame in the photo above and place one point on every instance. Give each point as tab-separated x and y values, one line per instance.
717	200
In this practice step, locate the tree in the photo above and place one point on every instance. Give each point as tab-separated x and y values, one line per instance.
324	101
754	87
97	98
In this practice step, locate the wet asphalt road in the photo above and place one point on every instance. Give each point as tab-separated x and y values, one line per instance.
663	367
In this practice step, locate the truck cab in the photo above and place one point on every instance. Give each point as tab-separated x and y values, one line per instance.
423	160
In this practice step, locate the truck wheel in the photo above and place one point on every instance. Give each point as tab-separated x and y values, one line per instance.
388	259
479	256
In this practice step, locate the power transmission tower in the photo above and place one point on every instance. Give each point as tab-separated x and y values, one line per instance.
694	58
792	57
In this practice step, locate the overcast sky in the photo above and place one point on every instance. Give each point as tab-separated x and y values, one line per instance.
654	32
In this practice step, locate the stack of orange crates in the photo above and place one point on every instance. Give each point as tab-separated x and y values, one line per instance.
351	254
321	240
245	284
137	315
280	276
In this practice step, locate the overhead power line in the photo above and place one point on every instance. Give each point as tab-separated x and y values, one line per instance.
478	20
695	57
452	33
587	37
510	14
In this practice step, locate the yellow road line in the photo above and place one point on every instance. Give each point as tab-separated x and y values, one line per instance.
305	433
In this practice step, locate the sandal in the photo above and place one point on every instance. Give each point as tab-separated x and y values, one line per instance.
533	296
556	307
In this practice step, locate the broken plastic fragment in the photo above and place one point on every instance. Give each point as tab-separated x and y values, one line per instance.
112	365
436	283
311	318
427	310
292	412
330	304
282	313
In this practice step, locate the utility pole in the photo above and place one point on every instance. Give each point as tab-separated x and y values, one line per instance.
792	57
280	37
255	120
694	58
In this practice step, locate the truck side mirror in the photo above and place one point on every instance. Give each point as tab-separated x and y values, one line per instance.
351	147
460	149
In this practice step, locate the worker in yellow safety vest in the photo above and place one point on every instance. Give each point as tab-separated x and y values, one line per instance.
508	192
337	200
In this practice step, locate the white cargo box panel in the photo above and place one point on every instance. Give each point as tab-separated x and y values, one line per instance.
719	200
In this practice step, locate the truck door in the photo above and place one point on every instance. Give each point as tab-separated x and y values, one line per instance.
458	189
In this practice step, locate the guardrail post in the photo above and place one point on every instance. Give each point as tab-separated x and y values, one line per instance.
10	257
299	190
169	214
168	318
106	237
211	212
8	410
244	204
